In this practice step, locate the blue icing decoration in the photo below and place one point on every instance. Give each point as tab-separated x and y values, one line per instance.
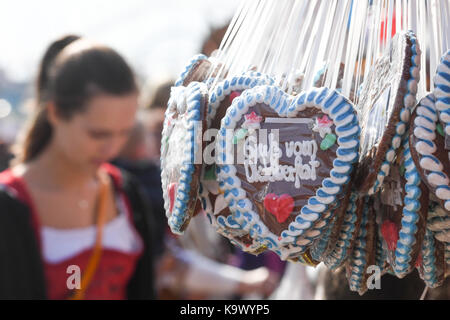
301	99
311	96
321	96
188	68
331	100
403	263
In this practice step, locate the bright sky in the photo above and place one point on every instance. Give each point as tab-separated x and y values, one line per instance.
156	36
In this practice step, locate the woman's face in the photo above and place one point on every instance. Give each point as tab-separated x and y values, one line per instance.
98	133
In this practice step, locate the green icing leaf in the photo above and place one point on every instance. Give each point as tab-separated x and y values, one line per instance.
239	135
402	170
328	142
210	173
440	130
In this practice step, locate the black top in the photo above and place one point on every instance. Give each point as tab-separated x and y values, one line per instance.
21	266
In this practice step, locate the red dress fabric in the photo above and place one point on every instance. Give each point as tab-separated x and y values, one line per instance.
115	268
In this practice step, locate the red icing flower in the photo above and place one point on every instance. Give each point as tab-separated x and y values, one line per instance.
390	234
234	94
419	261
171	189
324	121
280	206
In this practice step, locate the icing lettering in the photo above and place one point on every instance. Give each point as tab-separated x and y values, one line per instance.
262	161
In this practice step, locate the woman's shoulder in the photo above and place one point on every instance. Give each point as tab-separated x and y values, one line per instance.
10	189
13	204
122	179
128	184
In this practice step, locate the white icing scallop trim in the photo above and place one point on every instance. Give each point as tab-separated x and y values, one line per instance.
357	259
425	131
188	68
430	275
340	252
407	234
442	90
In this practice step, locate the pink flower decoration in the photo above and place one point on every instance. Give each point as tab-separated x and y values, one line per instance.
252	118
324	121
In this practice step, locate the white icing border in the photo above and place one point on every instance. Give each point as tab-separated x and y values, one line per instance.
442	90
425	131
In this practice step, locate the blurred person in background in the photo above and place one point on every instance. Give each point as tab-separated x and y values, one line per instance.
71	225
5	155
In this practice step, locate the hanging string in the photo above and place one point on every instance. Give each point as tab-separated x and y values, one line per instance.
338	39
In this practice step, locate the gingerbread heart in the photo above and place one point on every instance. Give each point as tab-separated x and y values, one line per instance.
281	154
442	94
280	206
185	119
387	97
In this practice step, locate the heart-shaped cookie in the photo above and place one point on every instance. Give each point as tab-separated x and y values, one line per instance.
387	97
428	151
442	94
283	153
181	145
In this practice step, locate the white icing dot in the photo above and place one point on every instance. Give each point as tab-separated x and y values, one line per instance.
424	148
424	134
396	142
313	233
326	200
390	155
303	242
445	117
404	115
412	86
410	101
422	111
401	128
431	165
415	72
436	179
423	122
443	193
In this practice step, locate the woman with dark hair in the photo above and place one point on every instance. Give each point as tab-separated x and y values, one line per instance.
71	225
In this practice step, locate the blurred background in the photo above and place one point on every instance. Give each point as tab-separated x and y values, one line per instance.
157	38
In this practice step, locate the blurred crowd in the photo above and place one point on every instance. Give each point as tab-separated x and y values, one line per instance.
201	264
